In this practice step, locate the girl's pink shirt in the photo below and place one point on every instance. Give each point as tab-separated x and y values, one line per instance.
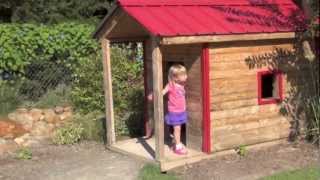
176	98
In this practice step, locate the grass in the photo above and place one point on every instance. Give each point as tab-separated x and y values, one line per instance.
152	172
311	173
24	153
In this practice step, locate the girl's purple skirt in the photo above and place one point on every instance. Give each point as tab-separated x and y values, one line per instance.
176	118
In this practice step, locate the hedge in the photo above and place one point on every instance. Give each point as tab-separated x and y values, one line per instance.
66	54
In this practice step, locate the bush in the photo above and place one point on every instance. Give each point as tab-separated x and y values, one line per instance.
24	153
69	134
92	124
8	98
127	81
41	58
60	96
25	44
313	130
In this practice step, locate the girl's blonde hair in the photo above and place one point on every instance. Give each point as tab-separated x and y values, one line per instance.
175	71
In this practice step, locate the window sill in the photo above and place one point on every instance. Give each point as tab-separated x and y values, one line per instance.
269	101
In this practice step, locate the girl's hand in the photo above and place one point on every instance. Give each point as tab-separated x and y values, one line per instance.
150	97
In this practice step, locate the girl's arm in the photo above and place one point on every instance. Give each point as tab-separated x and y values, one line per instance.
164	92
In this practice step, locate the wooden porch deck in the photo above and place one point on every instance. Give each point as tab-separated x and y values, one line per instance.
145	148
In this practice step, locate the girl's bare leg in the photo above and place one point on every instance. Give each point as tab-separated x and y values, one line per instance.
148	130
177	134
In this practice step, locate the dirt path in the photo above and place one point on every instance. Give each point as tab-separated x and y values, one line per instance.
86	161
256	164
90	161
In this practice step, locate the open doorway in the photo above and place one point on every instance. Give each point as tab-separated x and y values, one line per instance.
168	130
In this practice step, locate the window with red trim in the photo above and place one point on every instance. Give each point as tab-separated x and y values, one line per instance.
270	87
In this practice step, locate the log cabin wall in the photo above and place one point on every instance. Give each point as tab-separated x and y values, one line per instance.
236	117
190	56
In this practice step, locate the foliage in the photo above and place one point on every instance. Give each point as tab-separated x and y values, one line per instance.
152	172
8	98
24	153
88	93
68	134
312	173
314	122
53	11
26	44
242	150
92	123
37	59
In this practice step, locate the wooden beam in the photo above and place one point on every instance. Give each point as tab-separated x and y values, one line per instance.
106	62
109	24
128	39
158	98
225	38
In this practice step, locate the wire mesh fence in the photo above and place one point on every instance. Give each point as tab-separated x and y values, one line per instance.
42	84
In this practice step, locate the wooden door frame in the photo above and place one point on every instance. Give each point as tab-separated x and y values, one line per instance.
206	121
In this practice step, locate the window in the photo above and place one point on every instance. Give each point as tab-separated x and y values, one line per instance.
269	87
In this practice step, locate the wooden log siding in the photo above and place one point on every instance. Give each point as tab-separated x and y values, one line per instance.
190	55
236	116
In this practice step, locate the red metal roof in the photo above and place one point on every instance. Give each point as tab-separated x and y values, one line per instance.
208	17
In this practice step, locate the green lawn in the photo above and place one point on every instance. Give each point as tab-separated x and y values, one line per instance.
312	173
152	172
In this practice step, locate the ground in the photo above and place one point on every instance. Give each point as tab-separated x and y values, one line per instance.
90	160
86	161
256	164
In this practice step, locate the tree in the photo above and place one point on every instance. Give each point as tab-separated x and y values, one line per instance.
53	11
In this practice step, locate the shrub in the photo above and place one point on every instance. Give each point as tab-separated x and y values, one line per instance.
92	124
242	150
313	130
69	134
60	96
24	153
127	81
42	57
8	98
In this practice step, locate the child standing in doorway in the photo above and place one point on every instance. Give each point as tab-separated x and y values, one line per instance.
177	115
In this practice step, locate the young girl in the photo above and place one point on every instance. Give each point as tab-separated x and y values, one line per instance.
177	115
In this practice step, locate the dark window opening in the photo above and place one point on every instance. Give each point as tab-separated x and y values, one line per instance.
269	87
268	83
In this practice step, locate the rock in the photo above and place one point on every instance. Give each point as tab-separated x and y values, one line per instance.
2	141
67	109
42	129
59	110
12	116
10	129
24	119
36	114
66	115
31	143
22	110
22	139
7	146
50	116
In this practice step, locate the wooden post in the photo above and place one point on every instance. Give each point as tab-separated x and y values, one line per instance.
158	98
107	81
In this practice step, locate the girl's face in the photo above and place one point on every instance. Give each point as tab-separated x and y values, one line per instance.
181	79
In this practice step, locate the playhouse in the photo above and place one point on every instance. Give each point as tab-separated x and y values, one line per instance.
234	51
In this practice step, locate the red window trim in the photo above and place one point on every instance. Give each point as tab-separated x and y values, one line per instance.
279	75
